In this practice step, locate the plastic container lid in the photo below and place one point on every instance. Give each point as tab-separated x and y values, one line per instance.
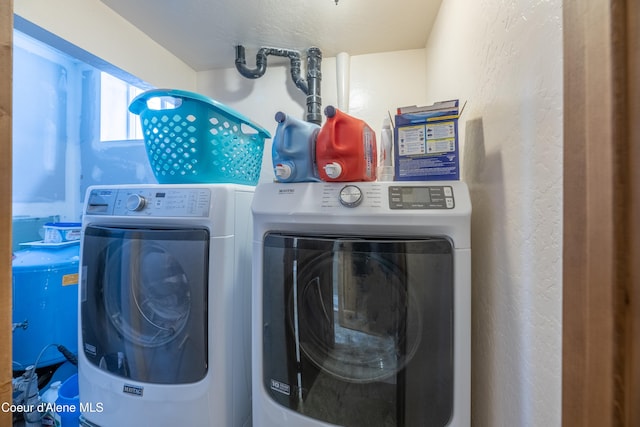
51	394
57	232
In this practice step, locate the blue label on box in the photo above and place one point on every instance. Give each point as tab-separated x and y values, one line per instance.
426	148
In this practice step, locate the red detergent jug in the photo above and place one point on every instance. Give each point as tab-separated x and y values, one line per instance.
345	148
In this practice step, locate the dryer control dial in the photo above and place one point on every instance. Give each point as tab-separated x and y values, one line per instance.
350	196
135	202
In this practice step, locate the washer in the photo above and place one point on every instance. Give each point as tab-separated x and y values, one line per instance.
361	304
164	306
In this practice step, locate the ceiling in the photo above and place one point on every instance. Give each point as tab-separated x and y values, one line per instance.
203	33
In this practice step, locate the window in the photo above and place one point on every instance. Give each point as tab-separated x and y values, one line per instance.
116	122
71	125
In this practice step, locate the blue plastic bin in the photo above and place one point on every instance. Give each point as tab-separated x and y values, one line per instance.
68	397
190	138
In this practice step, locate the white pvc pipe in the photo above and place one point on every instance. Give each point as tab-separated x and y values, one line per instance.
343	79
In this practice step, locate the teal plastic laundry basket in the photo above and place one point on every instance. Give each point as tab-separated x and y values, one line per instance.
190	138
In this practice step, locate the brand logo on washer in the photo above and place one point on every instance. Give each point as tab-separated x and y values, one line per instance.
286	191
280	387
132	389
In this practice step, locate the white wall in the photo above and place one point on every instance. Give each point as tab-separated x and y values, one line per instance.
92	26
505	59
379	83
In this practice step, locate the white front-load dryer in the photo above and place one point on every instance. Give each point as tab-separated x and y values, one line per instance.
164	306
361	304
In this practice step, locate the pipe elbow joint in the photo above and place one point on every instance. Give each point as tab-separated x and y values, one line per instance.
241	64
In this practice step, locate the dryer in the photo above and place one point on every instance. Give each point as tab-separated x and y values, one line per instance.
164	305
361	304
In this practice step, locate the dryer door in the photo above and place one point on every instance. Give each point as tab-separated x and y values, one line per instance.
359	332
143	302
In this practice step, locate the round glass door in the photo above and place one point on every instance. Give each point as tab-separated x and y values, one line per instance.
353	316
146	293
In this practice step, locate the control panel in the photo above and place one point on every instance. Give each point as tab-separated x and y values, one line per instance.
165	202
372	195
421	197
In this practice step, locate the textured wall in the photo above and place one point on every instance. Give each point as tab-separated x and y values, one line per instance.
505	59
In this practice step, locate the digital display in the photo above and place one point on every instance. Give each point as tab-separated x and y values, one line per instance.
416	195
421	197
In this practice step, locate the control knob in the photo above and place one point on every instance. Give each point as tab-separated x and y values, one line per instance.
350	196
135	202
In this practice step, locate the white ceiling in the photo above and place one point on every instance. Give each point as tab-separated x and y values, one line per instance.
203	33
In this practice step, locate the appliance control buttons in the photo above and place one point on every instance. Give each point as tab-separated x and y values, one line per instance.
135	202
449	202
350	196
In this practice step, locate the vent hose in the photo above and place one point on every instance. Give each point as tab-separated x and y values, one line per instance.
310	86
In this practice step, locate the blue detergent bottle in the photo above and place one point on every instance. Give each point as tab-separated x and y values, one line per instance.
293	149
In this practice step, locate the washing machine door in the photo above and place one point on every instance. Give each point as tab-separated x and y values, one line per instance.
359	332
143	302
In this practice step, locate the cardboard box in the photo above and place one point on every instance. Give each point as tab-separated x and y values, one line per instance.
426	142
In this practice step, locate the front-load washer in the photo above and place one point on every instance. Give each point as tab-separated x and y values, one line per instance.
361	304
164	306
